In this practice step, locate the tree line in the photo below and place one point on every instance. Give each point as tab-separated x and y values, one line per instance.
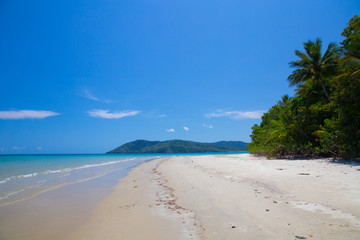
322	119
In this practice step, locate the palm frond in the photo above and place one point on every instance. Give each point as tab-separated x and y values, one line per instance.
313	65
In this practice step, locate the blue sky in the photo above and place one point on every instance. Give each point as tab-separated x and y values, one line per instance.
86	76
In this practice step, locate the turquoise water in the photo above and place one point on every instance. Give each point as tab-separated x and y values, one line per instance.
25	176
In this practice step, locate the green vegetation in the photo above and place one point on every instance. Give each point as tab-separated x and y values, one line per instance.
179	146
323	117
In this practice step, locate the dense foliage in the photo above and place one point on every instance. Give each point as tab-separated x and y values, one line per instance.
179	146
323	117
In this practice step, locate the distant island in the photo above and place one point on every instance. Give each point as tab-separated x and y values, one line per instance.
179	146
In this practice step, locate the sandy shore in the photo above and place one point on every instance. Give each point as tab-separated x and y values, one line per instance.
231	197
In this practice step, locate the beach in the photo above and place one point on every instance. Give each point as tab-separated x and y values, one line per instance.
50	196
230	197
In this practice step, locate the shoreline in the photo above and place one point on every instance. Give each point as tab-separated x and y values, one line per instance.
200	197
141	206
231	197
56	213
29	176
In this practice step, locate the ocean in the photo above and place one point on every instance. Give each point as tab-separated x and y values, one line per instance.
26	176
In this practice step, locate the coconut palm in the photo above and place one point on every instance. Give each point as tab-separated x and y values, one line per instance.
312	66
284	102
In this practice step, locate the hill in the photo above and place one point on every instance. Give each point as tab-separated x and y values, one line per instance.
179	146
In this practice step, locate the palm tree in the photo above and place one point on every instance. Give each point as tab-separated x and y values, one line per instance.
284	102
312	66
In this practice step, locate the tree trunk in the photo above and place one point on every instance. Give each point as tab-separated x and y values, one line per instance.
323	85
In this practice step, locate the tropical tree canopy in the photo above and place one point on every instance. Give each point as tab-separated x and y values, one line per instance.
313	67
351	44
323	118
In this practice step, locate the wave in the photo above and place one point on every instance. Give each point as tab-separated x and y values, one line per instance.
88	166
12	193
18	177
63	170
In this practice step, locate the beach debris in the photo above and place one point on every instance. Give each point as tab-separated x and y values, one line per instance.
275	201
267	210
304	174
300	237
135	186
279	169
127	206
233	226
267	196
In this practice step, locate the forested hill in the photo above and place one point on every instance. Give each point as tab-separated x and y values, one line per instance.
179	146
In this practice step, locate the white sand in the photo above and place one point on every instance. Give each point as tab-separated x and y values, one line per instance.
231	197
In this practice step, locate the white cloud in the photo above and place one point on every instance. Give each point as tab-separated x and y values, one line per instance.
18	148
162	115
115	115
170	130
39	148
236	114
24	114
2	149
207	126
89	95
186	129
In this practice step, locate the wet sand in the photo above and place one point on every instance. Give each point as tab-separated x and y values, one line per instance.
57	213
